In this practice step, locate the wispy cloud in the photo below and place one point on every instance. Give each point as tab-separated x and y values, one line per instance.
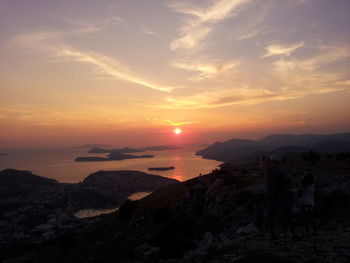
255	24
51	43
147	31
118	19
279	49
289	78
202	21
81	27
224	97
171	122
207	70
325	55
251	34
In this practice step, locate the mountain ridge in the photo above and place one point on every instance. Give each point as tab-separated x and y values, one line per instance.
240	148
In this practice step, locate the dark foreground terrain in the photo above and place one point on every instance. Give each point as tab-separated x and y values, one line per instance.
219	217
34	209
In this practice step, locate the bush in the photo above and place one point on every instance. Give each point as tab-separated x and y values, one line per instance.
161	215
312	157
126	209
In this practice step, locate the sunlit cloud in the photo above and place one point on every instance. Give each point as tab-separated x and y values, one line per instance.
290	78
118	19
51	44
343	83
224	97
207	70
255	25
202	21
107	66
279	49
251	34
179	123
170	122
217	99
325	55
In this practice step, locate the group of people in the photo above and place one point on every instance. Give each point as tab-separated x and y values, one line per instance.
281	199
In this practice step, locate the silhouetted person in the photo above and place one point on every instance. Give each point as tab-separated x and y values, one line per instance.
306	195
279	195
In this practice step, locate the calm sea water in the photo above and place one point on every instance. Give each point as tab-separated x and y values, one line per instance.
59	163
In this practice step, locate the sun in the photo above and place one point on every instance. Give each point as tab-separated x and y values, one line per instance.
177	131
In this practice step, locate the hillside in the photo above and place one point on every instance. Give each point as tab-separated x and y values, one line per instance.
16	178
217	217
34	209
237	149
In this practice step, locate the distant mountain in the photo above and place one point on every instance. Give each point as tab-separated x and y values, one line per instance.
160	148
134	150
91	145
229	150
12	177
236	149
123	150
99	150
113	156
331	146
279	140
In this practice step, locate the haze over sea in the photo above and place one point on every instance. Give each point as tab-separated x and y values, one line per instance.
59	164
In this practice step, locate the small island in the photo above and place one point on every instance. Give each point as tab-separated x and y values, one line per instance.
161	168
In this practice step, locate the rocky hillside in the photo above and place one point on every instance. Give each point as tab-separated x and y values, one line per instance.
17	178
117	185
219	217
34	209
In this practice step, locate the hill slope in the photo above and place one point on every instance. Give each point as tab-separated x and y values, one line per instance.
214	218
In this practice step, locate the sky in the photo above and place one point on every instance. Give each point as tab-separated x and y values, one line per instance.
128	72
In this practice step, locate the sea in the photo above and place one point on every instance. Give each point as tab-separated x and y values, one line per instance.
59	164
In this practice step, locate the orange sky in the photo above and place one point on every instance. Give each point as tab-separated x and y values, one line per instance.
127	73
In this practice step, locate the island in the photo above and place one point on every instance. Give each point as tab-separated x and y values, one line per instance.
134	150
161	168
114	156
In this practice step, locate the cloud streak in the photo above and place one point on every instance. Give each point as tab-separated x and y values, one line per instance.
279	49
202	21
51	44
207	70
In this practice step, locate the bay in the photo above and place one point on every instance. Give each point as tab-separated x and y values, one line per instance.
59	163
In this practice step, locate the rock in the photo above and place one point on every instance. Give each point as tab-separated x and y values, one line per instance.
248	229
42	228
20	235
204	245
151	253
146	251
48	235
256	189
225	241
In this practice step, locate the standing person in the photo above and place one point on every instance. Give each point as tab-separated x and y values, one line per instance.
306	195
279	195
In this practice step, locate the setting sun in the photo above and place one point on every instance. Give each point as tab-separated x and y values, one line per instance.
177	131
